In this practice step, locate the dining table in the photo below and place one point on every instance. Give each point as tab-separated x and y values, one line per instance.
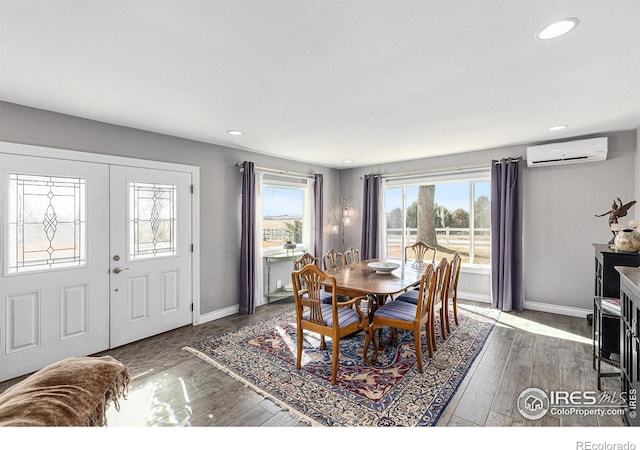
361	279
378	284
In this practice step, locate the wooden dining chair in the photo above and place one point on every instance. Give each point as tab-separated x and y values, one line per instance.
420	252
441	297
352	256
305	260
335	320
333	259
409	316
439	300
452	292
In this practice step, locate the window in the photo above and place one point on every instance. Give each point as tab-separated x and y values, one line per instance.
47	222
451	212
284	212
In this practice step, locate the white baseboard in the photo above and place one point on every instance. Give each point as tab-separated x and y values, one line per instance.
483	298
219	314
558	309
535	306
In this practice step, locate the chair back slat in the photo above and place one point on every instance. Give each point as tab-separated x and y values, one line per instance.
456	262
428	283
304	260
333	259
352	256
421	252
444	276
310	281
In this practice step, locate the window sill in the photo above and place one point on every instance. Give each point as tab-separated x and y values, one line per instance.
478	269
279	250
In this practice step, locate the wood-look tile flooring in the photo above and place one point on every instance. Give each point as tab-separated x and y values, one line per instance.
171	387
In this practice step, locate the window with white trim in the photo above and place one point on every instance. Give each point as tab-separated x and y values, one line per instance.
285	215
450	211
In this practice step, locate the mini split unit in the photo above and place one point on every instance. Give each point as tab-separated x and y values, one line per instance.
585	150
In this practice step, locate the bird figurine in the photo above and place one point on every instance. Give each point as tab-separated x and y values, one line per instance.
617	210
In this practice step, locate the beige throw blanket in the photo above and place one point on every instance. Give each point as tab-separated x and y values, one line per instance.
72	392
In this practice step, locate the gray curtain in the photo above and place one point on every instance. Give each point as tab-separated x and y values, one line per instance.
318	208
506	234
370	247
248	243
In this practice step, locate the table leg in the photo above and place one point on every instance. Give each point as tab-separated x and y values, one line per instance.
377	302
367	360
372	305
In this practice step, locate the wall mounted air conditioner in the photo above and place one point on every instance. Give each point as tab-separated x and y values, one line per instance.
585	150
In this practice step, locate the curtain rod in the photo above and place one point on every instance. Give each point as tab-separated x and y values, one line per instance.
512	159
443	170
278	171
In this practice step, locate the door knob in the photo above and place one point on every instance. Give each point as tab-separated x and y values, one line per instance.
118	269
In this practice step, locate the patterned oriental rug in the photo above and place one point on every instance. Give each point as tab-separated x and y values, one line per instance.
390	393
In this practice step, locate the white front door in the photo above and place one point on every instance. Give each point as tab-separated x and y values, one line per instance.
151	249
54	263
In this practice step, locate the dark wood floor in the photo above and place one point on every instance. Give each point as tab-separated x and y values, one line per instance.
529	349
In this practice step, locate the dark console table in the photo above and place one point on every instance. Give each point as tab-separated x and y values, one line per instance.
630	340
607	278
607	285
606	333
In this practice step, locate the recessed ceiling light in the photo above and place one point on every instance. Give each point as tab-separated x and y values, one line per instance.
347	161
235	132
558	128
558	28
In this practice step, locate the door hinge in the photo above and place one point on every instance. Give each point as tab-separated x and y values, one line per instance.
193	188
192	307
191	248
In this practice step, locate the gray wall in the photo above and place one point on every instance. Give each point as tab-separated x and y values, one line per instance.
220	181
559	207
560	202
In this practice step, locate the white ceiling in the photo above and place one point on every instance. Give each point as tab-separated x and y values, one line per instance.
325	81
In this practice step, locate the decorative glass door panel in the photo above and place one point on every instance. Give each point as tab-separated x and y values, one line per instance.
152	220
47	222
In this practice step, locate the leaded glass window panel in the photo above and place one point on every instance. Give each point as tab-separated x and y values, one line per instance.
47	222
152	220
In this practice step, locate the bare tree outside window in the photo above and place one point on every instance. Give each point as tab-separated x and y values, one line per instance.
426	215
440	214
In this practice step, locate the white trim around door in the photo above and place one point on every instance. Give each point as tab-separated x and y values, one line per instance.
194	171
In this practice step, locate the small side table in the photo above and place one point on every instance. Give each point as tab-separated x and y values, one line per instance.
279	257
606	335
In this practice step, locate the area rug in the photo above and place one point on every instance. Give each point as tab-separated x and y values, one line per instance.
391	392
